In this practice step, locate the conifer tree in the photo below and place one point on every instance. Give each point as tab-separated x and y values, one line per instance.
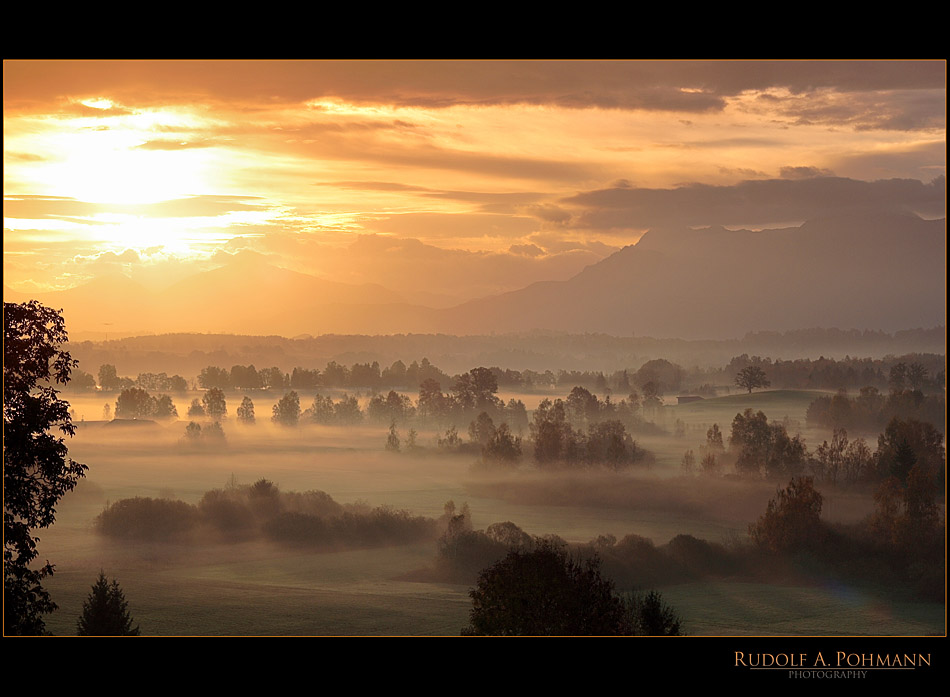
105	612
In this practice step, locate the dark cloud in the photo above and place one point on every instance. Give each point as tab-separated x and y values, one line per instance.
919	162
681	86
804	172
549	213
763	202
744	172
894	110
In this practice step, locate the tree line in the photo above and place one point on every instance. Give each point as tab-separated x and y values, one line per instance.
760	448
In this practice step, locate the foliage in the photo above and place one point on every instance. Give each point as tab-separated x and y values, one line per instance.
195	409
108	379
136	403
555	441
347	410
321	411
545	592
133	403
751	377
392	440
652	617
904	444
237	513
843	461
143	518
392	407
758	444
36	470
450	440
792	520
502	446
245	412
907	514
106	611
870	411
214	403
287	410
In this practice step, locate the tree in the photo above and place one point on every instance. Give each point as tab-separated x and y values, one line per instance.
287	410
431	400
321	411
36	470
214	403
392	440
212	376
751	377
195	409
653	617
502	446
108	379
917	376
792	520
133	403
545	592
106	612
245	412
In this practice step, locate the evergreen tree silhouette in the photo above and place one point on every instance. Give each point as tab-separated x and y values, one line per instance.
105	612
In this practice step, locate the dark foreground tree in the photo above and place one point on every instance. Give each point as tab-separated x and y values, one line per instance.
106	612
36	469
653	617
545	592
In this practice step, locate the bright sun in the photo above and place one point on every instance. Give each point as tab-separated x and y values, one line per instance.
120	157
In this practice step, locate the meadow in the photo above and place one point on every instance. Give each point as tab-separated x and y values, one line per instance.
259	588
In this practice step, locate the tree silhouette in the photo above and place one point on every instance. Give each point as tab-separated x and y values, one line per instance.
792	520
105	612
133	403
545	592
751	377
392	440
287	410
214	403
245	412
653	617
36	469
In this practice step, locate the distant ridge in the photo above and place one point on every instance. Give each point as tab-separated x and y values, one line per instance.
876	271
871	270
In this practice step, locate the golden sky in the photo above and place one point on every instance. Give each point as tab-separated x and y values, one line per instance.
441	180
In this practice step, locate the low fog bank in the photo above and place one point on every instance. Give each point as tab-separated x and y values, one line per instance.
728	501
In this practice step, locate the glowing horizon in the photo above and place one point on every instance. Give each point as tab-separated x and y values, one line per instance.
169	164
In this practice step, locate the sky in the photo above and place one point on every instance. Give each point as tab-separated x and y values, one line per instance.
443	181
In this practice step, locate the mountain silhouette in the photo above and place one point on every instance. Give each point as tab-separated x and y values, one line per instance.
867	271
873	270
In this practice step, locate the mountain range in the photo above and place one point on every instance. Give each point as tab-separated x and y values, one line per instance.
869	270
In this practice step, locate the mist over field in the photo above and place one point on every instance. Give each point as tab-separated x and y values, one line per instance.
243	577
